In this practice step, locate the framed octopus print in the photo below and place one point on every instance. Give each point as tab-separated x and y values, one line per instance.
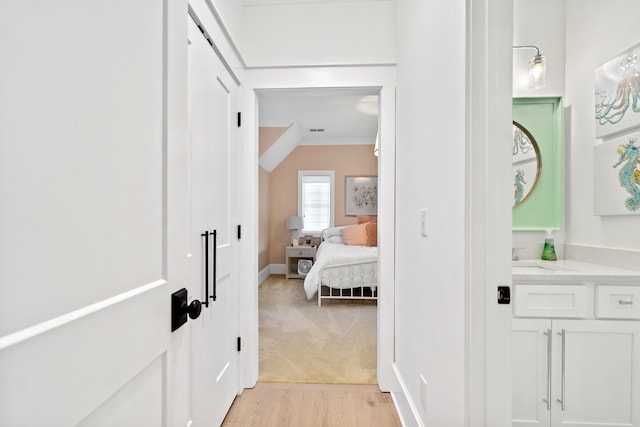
361	195
617	96
616	175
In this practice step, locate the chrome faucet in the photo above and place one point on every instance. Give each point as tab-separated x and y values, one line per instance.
514	254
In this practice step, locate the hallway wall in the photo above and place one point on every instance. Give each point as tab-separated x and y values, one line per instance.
430	152
319	33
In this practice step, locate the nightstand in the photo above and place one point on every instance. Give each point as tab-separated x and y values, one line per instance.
294	253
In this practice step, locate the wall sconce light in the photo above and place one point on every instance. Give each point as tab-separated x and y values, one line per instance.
295	224
537	68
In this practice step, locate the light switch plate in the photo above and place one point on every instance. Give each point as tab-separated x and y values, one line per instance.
424	222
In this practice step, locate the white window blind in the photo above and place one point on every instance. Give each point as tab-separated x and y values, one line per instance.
316	200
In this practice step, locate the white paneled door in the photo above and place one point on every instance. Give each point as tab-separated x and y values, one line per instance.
86	218
213	242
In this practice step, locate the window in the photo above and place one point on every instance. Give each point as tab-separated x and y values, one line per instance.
316	199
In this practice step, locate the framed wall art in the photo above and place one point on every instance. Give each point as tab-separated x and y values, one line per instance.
617	86
616	176
361	195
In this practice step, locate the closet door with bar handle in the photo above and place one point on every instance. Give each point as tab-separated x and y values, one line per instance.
213	188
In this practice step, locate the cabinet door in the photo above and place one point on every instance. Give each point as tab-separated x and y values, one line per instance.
596	373
531	353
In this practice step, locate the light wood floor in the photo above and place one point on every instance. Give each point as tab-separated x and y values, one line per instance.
310	405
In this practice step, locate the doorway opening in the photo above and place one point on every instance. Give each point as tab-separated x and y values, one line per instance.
306	133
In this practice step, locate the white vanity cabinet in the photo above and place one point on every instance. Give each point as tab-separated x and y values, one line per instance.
576	372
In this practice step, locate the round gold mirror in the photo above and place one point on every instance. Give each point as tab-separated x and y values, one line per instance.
526	165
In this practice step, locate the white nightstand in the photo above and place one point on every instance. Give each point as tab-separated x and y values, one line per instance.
294	253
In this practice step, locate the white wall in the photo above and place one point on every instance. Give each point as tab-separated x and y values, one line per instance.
595	32
230	12
539	23
313	33
429	174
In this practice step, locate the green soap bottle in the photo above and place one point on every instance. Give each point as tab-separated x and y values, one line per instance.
549	251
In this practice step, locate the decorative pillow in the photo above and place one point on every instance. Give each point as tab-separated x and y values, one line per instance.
334	231
355	235
372	233
335	239
363	219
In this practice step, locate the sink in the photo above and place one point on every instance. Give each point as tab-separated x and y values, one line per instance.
537	267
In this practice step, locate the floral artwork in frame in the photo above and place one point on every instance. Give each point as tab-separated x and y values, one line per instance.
361	195
617	85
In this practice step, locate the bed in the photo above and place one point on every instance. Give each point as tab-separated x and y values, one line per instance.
342	271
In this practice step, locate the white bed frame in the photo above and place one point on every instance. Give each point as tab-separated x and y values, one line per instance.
349	281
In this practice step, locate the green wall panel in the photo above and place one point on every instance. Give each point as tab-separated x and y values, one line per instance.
542	209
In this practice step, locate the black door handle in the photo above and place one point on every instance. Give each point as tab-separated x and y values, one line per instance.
180	309
215	263
206	268
504	295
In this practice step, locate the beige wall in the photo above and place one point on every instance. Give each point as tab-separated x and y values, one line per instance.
345	160
266	137
264	207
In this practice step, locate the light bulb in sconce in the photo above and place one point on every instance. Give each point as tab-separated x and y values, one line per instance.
537	68
537	72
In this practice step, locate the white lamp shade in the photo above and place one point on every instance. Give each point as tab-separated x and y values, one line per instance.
295	223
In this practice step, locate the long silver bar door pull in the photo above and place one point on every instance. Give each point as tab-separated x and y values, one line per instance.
563	386
547	400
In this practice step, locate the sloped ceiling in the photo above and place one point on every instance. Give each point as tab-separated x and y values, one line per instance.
317	117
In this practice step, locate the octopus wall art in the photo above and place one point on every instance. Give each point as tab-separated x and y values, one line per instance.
617	102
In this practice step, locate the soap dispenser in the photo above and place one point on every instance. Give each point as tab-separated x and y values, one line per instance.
549	250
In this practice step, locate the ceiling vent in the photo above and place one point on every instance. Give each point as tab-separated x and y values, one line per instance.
316	130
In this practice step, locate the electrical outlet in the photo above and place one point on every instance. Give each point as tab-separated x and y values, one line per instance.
423	393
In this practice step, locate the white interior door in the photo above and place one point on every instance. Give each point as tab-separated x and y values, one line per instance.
84	264
212	177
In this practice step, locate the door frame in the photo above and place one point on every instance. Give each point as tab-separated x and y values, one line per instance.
262	79
489	193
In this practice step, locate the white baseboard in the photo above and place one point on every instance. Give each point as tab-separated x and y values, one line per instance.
263	274
271	269
405	406
278	269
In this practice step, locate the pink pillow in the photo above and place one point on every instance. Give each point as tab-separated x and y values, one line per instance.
372	233
355	236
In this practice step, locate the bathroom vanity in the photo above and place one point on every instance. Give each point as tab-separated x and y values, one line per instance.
575	345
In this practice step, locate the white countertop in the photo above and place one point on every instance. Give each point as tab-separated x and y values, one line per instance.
570	271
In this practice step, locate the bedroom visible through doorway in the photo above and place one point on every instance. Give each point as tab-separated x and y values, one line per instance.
316	130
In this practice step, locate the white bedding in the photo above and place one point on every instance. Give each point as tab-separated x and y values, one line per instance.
331	254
